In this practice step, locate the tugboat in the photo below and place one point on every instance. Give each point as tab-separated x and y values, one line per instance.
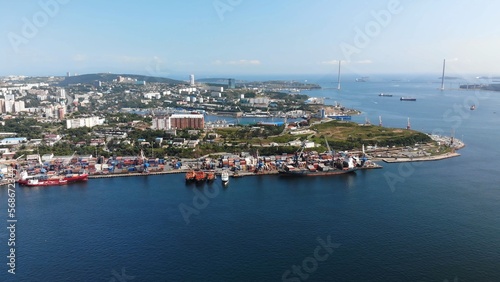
200	176
190	176
211	176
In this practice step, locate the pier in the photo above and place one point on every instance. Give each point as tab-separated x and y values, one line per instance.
421	159
110	175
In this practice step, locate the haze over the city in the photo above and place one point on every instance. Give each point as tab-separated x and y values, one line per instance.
242	37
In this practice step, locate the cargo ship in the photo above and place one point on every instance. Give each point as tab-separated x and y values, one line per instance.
289	170
407	99
42	178
45	182
71	178
331	164
385	95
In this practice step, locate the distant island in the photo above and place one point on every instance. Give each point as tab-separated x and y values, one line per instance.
490	87
268	84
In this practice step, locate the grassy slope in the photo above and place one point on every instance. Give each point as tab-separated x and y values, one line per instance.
340	135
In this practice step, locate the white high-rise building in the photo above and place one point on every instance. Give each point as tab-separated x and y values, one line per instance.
19	106
191	80
9	103
61	93
84	122
160	123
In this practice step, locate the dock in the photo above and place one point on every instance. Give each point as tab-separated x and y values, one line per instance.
110	175
421	159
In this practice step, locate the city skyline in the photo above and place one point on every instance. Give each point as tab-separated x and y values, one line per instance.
237	37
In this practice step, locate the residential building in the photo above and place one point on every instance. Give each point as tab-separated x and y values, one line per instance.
84	122
181	121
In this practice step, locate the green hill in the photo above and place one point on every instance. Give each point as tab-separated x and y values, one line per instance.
109	77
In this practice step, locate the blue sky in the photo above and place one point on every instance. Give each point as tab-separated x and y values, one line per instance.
248	37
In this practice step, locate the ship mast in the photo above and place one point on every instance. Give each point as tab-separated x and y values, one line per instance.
442	77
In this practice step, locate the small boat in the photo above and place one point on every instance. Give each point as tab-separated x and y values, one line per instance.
47	182
407	99
224	177
473	107
385	95
190	176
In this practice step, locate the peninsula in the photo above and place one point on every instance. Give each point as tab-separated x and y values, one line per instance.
55	123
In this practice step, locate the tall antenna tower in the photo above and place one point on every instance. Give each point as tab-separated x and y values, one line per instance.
338	78
442	77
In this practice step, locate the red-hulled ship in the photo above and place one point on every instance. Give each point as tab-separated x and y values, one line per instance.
200	176
45	182
211	176
71	178
190	176
42	178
